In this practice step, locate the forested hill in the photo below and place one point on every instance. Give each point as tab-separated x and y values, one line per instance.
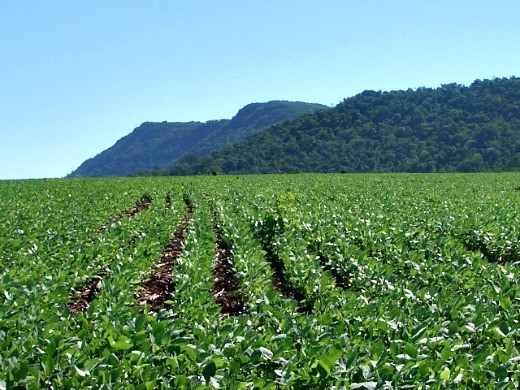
159	143
451	128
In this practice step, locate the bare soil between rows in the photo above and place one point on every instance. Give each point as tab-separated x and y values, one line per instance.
156	290
85	295
82	297
226	288
283	286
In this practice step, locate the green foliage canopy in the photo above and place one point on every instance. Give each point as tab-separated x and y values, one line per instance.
452	128
154	144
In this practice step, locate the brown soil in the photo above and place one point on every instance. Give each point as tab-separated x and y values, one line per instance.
158	288
85	295
226	287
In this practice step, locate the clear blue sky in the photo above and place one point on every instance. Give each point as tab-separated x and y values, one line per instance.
75	76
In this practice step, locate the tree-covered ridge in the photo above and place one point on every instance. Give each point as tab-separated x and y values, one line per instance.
450	128
154	144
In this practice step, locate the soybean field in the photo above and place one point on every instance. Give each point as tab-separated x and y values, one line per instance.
358	281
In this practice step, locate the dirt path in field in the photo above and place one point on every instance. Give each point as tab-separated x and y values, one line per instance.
158	288
226	287
83	296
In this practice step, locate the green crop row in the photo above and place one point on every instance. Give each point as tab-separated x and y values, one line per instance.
401	280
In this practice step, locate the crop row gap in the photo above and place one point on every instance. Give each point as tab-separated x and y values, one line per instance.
84	295
156	290
226	288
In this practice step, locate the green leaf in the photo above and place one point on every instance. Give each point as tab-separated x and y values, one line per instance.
48	364
324	364
81	372
122	343
410	349
445	374
364	385
505	303
334	353
446	353
394	350
501	372
209	370
266	353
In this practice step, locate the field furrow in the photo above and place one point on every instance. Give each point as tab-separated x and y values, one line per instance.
226	287
82	297
157	289
141	205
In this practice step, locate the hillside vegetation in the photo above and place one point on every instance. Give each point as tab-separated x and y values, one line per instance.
450	128
160	143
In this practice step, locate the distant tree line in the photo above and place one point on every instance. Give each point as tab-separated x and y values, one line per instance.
163	143
452	128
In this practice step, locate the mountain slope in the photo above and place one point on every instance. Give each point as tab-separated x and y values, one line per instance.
153	144
451	128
